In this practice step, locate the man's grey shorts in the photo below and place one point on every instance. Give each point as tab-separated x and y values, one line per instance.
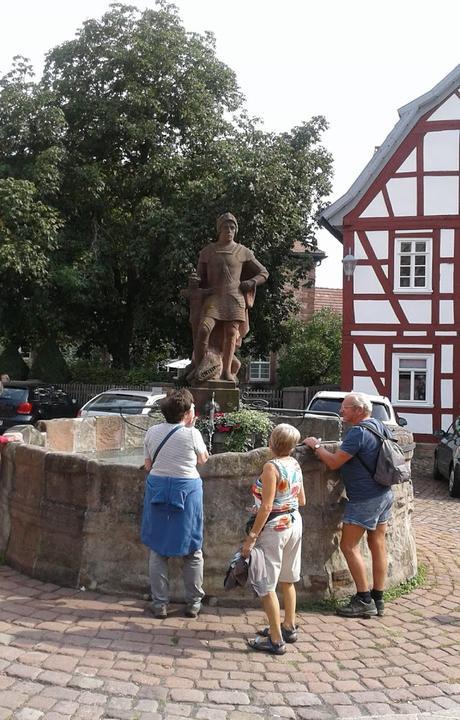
369	513
282	553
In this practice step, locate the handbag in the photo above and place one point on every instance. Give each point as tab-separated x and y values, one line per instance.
250	523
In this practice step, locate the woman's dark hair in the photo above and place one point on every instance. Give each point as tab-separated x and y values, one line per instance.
176	404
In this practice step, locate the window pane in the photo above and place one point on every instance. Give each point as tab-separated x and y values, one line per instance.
420	246
404	386
420	386
420	260
419	282
405	260
412	363
420	271
405	271
405	282
405	246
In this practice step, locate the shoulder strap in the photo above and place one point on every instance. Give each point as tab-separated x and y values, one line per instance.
165	439
373	430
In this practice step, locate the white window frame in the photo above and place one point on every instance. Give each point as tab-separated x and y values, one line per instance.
413	254
255	370
428	402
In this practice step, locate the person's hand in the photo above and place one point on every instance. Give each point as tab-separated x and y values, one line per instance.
311	442
247	547
247	285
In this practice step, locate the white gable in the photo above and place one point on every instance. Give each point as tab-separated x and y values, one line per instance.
441	150
376	207
440	195
403	195
449	110
410	163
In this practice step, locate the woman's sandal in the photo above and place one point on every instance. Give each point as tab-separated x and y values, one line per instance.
289	636
265	644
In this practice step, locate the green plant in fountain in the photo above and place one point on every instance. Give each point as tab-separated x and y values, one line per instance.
249	429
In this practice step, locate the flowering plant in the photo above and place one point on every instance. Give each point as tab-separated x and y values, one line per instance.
246	429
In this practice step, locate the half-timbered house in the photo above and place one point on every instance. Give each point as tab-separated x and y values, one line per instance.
401	307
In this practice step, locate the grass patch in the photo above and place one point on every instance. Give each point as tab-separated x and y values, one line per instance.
404	588
331	604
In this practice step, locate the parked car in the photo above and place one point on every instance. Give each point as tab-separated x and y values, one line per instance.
124	402
446	464
24	402
329	401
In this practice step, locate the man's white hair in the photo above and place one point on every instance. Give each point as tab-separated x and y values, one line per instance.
361	400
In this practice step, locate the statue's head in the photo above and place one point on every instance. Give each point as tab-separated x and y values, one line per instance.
226	219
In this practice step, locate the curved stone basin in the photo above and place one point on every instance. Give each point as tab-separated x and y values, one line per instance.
74	520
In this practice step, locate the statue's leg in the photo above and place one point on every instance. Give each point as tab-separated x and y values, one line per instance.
231	332
205	329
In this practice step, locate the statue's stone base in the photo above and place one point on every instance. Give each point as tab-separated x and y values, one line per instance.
226	395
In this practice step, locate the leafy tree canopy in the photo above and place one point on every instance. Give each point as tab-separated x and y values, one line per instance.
312	354
134	141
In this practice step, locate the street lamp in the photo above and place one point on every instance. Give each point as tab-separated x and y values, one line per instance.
349	263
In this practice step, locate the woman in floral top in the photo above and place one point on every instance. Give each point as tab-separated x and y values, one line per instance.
276	538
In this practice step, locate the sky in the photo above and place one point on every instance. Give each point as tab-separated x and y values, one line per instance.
355	62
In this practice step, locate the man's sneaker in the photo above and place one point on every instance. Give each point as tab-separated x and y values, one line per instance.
158	611
380	605
192	611
357	608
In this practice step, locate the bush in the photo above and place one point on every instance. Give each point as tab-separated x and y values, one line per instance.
246	429
12	363
49	364
85	372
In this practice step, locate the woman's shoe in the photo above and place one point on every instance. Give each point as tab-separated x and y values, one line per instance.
289	636
265	644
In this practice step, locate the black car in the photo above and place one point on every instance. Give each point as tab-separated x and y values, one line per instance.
447	457
25	402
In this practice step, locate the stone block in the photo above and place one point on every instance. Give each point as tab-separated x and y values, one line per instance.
109	432
85	434
59	434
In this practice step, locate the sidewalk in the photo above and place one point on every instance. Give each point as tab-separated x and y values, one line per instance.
71	654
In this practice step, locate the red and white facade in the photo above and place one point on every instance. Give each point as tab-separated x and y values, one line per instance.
401	221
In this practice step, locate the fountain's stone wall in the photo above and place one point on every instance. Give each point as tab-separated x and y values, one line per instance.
75	521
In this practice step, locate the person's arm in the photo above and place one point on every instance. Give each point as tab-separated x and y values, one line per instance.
332	460
269	482
202	457
301	496
148	464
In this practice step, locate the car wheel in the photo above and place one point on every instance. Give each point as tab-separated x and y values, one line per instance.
454	481
436	474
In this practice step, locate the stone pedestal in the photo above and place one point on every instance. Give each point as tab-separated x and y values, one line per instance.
226	395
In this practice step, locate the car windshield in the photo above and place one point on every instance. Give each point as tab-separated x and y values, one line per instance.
111	402
379	410
13	396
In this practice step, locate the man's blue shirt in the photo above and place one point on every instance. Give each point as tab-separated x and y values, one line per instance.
358	481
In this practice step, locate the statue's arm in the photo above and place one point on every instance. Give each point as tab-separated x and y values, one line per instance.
254	273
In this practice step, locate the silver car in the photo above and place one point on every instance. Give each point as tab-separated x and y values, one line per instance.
122	402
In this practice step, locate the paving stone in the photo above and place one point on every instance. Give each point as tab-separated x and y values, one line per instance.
28	713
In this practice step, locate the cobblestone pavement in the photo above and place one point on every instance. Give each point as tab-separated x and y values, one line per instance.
70	654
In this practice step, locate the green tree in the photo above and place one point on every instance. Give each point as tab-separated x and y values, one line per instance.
147	143
312	354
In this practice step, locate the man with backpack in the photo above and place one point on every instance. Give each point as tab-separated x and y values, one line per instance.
369	502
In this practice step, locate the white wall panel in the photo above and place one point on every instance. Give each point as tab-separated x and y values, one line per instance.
441	195
377	355
447	243
359	250
365	280
414	333
376	333
365	385
410	163
403	195
446	278
358	363
379	241
418	423
417	311
447	358
449	110
446	422
376	207
441	150
374	312
446	312
446	393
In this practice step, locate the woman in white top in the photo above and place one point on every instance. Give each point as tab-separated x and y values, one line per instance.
172	521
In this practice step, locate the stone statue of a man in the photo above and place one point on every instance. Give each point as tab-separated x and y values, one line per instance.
228	276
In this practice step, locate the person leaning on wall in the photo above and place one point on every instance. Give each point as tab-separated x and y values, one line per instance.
368	506
172	520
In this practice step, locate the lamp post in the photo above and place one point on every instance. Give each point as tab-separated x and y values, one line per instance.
349	264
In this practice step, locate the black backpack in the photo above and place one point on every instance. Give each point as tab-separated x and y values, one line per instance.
391	468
